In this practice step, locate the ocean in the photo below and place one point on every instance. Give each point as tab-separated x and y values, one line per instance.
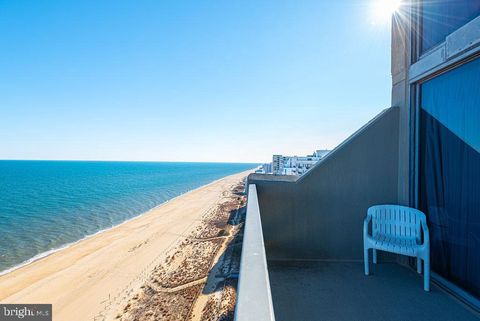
48	205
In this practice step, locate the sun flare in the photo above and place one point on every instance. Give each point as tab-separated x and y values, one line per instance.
384	9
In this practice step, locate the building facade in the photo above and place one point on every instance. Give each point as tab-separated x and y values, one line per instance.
436	85
295	165
277	164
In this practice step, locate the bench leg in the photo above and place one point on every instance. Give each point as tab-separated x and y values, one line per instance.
419	265
426	273
365	260
374	256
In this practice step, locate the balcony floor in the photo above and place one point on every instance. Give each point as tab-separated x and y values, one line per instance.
334	291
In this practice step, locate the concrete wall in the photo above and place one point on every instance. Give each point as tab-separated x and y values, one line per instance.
401	57
320	215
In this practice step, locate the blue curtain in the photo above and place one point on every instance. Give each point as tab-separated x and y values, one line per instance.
449	173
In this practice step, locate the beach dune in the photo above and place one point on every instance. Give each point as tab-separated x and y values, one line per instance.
83	281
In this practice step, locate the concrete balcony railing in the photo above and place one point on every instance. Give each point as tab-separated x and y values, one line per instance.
254	301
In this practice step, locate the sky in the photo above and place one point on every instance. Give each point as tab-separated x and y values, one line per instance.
172	80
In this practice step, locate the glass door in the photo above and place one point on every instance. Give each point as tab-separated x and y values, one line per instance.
449	173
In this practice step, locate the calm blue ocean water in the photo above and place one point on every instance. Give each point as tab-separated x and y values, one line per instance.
45	205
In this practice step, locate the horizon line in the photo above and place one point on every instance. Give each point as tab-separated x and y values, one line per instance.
127	161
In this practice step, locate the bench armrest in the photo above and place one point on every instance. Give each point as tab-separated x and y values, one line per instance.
366	221
426	234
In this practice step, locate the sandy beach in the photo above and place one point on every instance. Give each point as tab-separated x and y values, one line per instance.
121	273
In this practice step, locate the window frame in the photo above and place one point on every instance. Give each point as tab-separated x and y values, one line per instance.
417	20
461	43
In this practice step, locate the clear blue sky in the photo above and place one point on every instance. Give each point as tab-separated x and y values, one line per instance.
173	80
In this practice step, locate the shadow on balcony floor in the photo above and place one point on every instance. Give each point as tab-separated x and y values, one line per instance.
334	291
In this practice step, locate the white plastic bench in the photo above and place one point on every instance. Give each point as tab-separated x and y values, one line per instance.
398	229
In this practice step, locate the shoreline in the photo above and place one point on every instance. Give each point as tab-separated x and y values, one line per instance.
66	246
80	280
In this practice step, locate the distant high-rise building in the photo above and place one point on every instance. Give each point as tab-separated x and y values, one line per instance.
277	164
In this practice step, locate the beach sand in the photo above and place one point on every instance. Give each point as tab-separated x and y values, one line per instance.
112	275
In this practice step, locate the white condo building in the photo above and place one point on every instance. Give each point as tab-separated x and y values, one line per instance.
295	165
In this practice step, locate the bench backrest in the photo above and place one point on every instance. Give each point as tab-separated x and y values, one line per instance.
396	221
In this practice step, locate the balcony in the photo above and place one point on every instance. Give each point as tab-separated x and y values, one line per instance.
340	291
303	250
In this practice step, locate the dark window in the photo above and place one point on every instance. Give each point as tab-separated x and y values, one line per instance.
441	17
449	173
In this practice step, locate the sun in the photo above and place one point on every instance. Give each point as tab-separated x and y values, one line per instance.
384	9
